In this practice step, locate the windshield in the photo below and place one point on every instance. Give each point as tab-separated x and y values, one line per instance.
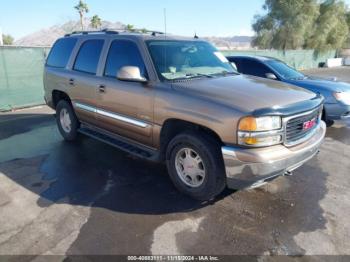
176	60
284	70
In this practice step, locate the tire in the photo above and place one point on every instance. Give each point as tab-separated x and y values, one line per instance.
64	113
329	123
188	146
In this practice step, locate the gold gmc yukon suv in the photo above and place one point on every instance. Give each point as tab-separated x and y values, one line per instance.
179	101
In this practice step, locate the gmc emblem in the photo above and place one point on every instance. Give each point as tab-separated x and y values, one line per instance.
309	124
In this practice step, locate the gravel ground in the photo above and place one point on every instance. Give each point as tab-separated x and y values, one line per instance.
91	199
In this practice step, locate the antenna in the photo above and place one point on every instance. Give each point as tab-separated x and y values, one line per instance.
195	35
165	35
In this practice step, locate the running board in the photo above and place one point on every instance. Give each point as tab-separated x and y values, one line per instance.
121	143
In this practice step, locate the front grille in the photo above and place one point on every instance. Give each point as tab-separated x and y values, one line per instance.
295	131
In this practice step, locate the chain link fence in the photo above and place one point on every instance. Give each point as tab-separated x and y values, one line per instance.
299	59
21	76
21	71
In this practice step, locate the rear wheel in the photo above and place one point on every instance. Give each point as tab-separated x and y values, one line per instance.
67	121
195	166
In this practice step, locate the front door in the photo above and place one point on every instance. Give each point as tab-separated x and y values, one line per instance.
125	108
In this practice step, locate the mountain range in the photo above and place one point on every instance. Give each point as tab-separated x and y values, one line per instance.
46	37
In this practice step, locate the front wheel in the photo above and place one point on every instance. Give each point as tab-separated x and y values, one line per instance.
67	121
195	166
328	122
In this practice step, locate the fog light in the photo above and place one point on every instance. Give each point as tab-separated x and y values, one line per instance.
261	141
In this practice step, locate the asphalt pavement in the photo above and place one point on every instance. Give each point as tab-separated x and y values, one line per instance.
88	198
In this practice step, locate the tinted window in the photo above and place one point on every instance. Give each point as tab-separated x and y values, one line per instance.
123	53
284	70
88	56
60	52
250	67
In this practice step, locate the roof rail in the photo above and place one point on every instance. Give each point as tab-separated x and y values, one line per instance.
92	32
115	31
136	31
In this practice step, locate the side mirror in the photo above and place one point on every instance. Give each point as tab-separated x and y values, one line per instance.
131	74
271	76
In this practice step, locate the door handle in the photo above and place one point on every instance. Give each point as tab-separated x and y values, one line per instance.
102	88
71	82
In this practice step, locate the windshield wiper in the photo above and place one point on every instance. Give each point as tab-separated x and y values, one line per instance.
192	75
229	73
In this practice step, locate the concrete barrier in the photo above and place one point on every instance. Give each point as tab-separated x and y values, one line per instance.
347	61
334	62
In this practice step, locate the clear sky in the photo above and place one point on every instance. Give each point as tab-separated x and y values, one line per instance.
184	17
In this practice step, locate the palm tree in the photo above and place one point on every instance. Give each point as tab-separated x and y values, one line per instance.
96	22
130	28
82	9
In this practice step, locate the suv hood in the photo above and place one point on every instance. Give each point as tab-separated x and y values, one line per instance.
245	93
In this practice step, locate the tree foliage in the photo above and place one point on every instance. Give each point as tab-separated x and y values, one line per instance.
296	24
130	28
7	39
96	22
331	29
82	9
347	44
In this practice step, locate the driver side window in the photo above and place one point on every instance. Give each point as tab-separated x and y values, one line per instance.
123	53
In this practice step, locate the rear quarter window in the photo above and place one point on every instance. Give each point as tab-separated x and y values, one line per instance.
61	52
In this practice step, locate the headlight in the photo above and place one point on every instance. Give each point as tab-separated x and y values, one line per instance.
257	124
343	97
260	131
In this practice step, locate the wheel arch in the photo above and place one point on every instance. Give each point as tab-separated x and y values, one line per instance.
173	127
58	95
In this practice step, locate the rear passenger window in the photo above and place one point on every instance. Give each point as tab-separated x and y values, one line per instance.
123	53
88	56
61	52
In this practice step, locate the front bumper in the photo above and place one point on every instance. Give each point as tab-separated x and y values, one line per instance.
337	111
247	168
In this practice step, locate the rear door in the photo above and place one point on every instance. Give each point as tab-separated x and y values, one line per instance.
83	80
125	108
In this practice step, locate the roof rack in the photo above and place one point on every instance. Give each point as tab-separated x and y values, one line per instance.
152	32
115	31
92	32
